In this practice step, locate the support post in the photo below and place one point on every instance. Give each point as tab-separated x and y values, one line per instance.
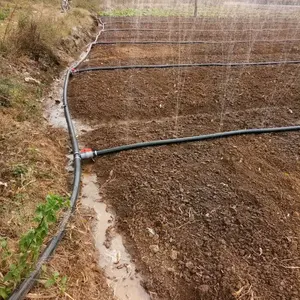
196	9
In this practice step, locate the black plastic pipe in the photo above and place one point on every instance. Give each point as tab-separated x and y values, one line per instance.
28	283
22	290
192	42
198	138
199	22
223	64
198	30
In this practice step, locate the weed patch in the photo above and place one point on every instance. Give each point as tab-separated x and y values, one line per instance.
4	13
32	38
19	264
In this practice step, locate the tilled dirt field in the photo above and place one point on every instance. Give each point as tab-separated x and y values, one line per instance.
211	220
107	55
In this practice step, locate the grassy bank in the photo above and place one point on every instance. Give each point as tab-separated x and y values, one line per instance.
37	42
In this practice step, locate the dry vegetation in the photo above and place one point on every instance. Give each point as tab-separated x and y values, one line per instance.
36	43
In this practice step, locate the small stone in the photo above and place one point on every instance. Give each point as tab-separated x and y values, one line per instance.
154	248
174	254
151	231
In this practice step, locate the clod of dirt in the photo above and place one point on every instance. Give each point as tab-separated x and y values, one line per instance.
189	265
174	254
154	248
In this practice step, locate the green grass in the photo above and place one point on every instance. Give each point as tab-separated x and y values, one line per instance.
204	11
133	12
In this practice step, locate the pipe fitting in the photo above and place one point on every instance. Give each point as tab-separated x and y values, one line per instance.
87	153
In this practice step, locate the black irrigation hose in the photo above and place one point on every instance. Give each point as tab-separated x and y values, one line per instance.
192	42
197	30
197	22
28	283
221	24
205	137
222	64
177	20
23	289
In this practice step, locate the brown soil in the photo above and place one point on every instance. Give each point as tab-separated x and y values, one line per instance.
154	94
225	213
104	55
205	25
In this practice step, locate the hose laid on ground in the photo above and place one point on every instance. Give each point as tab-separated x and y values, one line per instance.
192	42
192	23
190	139
23	289
202	22
198	30
222	64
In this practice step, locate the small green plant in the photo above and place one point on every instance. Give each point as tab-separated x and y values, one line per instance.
19	170
57	280
29	245
4	13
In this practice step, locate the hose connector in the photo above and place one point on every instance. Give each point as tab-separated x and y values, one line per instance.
73	71
87	153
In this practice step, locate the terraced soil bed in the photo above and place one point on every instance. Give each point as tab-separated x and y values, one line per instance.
210	220
126	54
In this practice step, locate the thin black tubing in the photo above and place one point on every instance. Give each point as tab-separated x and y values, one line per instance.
198	138
177	20
194	23
129	67
192	42
197	30
199	21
